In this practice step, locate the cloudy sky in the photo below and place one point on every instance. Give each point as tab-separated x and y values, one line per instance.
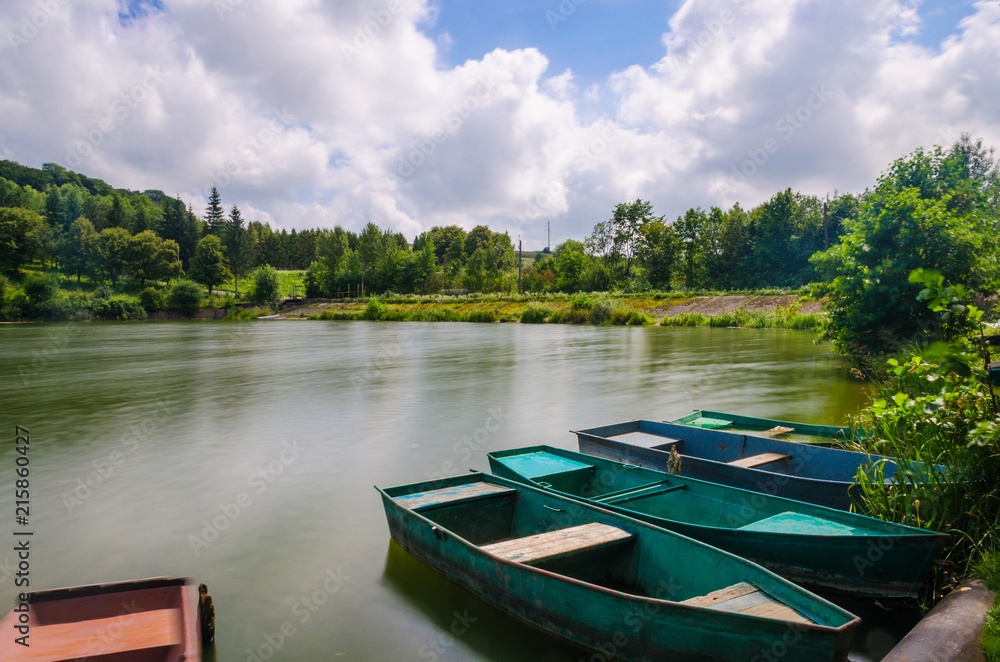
416	113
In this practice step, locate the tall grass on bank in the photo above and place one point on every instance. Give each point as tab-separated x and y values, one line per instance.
989	570
935	414
748	319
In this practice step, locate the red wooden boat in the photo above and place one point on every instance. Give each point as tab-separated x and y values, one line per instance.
149	620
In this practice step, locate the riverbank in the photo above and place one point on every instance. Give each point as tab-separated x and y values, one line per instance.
751	311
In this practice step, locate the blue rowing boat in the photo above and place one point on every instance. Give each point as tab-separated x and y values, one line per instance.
810	473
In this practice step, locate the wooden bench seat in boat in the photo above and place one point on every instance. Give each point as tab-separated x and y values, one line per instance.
452	495
745	598
646	440
758	460
558	543
142	630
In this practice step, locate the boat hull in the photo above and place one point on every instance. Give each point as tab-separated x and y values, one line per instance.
146	620
814	546
803	433
618	625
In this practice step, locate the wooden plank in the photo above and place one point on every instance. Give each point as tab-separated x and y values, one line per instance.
758	460
553	544
451	495
104	636
778	610
745	598
721	595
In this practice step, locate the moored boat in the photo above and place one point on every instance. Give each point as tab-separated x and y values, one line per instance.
824	476
803	433
814	546
608	582
149	620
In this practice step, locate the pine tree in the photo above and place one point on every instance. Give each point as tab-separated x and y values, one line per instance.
238	248
215	216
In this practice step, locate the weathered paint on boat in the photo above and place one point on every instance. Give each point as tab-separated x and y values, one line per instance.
810	473
803	433
147	620
814	546
624	599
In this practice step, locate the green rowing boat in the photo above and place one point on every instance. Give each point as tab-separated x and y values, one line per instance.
814	546
611	583
804	433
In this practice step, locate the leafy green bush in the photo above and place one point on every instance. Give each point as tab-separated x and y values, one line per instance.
266	285
601	311
374	310
152	299
636	318
535	314
933	211
119	307
39	288
185	296
4	286
104	292
581	302
65	310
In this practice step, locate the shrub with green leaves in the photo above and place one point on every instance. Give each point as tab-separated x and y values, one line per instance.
374	310
266	285
152	299
41	287
69	309
935	211
119	307
185	296
582	302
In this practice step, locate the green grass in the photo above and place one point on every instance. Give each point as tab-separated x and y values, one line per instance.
988	569
781	318
286	279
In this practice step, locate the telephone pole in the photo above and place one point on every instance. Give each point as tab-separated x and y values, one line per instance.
548	236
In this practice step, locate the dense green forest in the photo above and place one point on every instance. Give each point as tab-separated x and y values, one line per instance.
84	227
932	210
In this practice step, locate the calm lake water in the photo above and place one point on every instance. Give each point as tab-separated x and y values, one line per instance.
243	454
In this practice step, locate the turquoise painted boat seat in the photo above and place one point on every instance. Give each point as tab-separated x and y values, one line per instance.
805	525
542	464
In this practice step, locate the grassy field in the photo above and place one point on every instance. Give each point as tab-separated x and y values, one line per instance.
288	280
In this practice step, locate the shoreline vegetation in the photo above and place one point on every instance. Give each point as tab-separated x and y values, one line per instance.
719	310
599	309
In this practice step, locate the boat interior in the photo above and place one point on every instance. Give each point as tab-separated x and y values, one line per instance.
540	530
660	495
129	622
774	455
